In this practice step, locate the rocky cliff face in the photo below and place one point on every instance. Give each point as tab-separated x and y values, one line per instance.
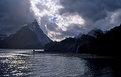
43	38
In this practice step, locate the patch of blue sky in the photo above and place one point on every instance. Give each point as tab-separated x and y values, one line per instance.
53	19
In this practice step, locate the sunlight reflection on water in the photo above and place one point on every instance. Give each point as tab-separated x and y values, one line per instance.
21	63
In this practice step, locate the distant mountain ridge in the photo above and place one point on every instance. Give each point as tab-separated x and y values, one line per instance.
95	42
92	33
29	36
95	33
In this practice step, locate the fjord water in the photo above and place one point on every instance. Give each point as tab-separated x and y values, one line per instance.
25	63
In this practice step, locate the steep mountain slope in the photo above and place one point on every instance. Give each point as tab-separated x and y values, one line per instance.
39	33
29	36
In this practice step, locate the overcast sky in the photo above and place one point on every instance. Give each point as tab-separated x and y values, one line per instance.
60	18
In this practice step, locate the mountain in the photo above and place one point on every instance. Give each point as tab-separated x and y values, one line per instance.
95	33
43	38
95	42
80	44
29	36
79	35
2	36
110	42
65	46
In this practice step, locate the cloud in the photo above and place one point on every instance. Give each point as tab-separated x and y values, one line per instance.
97	13
70	17
60	18
52	22
13	14
113	19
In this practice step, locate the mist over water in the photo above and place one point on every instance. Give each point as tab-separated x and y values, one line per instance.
21	63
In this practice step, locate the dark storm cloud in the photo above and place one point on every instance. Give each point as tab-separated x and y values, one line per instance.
94	11
13	14
103	14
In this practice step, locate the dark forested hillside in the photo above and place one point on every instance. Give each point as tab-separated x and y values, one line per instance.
95	42
110	43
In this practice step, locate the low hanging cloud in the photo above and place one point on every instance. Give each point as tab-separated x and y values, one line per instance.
14	14
97	13
60	18
64	18
55	25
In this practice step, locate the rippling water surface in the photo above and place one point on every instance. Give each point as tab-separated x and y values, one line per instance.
25	63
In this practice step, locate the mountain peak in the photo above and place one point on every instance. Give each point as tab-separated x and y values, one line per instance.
35	22
43	38
95	32
29	36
